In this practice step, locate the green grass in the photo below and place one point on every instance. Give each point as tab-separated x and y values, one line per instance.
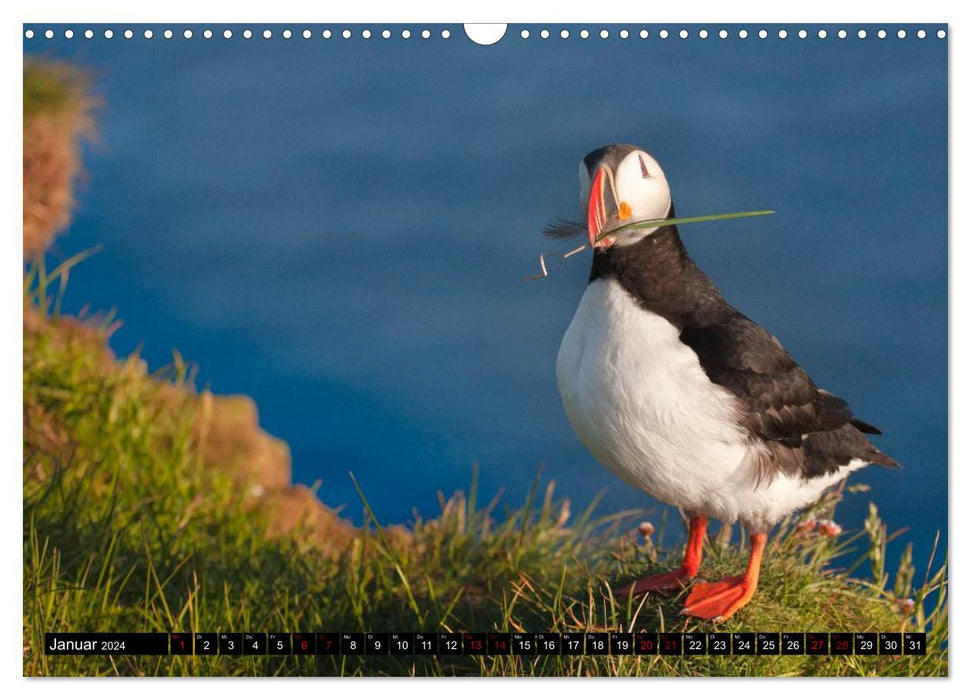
52	88
126	528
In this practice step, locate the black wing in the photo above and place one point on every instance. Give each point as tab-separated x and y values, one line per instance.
781	403
807	430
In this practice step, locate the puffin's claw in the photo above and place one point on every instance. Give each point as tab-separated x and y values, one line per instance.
657	583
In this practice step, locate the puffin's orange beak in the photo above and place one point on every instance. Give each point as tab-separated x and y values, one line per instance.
601	215
597	211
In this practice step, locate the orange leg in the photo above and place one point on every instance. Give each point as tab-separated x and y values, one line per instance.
719	601
675	579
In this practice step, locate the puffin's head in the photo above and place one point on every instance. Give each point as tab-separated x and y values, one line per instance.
621	184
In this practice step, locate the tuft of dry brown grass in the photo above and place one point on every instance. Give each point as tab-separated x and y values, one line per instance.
57	116
230	438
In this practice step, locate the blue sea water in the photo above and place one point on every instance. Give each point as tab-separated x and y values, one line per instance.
339	229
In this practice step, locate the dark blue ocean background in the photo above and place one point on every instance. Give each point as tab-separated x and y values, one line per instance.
339	228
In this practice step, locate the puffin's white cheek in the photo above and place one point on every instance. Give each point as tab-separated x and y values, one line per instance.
654	203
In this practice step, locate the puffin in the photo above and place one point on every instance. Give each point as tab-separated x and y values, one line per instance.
684	397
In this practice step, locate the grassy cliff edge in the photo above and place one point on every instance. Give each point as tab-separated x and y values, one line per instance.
143	512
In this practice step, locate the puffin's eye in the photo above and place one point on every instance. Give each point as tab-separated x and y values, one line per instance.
644	172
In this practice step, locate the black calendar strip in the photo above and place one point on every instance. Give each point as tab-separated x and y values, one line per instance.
487	643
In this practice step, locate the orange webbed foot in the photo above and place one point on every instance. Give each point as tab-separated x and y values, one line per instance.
718	601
